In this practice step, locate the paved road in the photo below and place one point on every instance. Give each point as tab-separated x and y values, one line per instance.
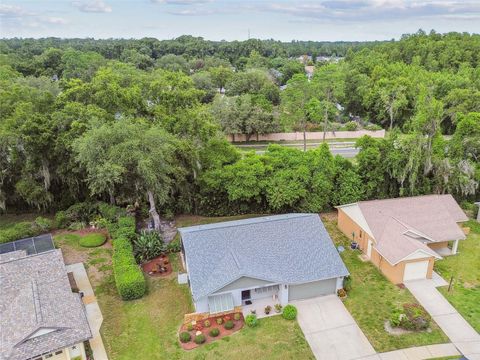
330	330
348	152
463	336
346	149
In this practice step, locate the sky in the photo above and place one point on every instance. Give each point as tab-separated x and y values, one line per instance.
321	20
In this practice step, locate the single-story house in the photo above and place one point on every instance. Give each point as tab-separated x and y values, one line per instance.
404	236
41	318
282	257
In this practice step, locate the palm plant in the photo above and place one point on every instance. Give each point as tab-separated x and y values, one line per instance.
148	245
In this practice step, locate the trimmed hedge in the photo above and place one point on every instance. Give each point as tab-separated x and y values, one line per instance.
129	278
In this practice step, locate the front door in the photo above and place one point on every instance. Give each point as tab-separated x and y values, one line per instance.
246	295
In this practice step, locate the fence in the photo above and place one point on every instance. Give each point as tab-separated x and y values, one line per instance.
317	135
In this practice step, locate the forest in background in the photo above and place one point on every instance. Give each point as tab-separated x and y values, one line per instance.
144	121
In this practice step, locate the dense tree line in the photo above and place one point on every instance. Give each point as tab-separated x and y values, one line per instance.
84	120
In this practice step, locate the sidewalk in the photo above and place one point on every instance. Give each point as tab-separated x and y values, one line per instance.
417	353
94	315
459	331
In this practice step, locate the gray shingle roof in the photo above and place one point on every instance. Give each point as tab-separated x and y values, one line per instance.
35	294
291	249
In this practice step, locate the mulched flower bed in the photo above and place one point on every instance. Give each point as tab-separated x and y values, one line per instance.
154	266
238	324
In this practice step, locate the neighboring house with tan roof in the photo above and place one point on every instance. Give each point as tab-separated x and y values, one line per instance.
404	236
41	318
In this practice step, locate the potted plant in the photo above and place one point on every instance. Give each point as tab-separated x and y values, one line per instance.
278	308
268	308
342	294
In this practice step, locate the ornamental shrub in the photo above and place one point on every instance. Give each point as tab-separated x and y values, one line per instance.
43	224
214	332
185	337
200	339
251	320
416	318
289	312
93	240
148	246
373	127
228	325
219	321
189	326
18	231
236	316
347	283
351	126
206	323
396	317
61	220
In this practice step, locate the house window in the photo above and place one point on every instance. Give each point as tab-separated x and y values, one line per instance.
58	352
220	303
266	289
361	233
48	356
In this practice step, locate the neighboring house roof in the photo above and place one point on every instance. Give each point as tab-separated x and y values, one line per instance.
403	226
38	310
291	249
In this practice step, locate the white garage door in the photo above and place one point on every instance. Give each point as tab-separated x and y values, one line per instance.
312	289
415	270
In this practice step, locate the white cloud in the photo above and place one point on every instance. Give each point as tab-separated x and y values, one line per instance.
12	11
54	20
372	10
92	6
15	17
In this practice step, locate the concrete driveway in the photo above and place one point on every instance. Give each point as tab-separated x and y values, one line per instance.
463	336
330	330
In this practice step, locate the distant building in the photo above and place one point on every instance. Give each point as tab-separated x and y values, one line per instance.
309	70
40	315
305	59
333	59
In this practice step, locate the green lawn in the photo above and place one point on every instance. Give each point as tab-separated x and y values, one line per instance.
373	297
465	269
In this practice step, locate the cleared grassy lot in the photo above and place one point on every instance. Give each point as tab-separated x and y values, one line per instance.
465	269
373	298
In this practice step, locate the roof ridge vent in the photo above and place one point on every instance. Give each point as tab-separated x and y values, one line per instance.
36	302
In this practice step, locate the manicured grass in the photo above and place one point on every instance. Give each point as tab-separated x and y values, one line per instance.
67	238
373	298
76	240
93	240
465	269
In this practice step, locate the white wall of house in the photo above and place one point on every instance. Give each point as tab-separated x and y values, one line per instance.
201	305
340	283
283	294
